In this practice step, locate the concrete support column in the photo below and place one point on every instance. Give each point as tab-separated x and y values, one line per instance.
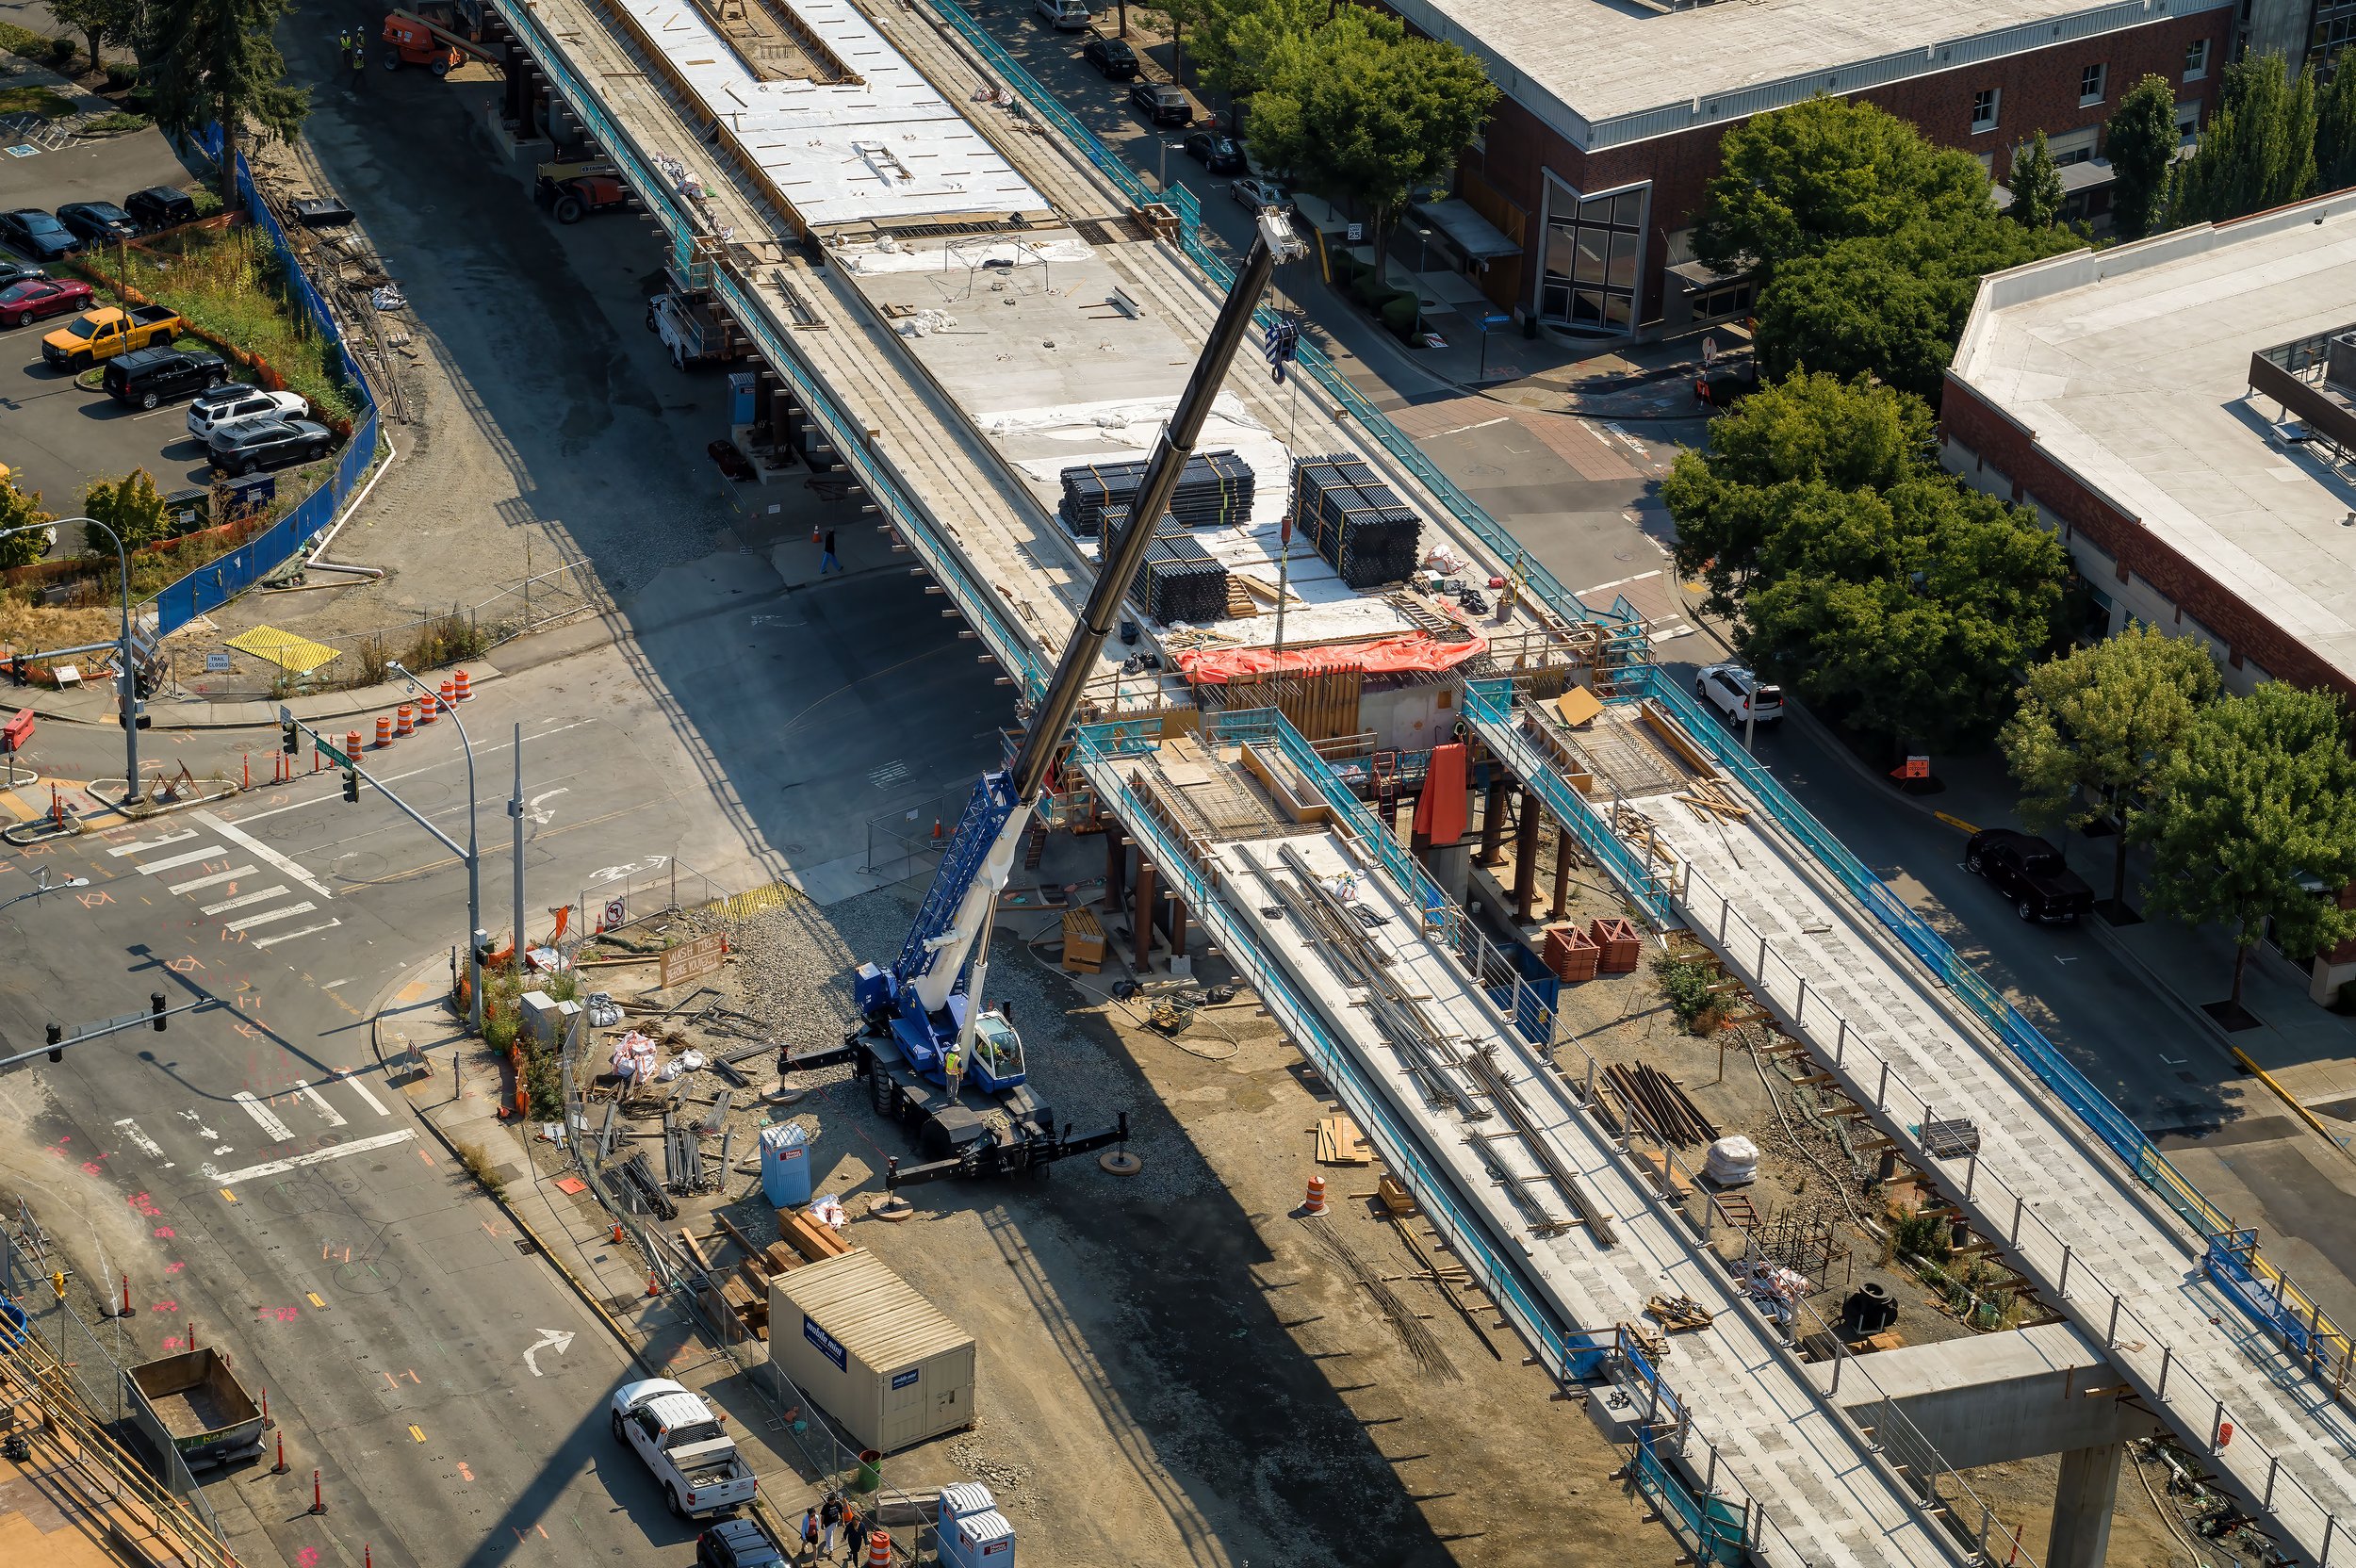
513	90
1116	867
1526	857
1141	918
2082	1507
1561	894
1177	929
1493	819
781	413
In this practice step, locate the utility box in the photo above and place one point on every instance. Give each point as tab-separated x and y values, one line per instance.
885	1363
544	1021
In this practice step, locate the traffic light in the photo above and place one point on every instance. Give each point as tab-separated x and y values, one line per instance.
56	1033
155	1006
17	671
289	738
352	784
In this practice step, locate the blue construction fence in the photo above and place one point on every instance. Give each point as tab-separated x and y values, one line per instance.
219	581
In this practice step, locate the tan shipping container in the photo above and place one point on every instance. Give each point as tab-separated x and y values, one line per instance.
856	1339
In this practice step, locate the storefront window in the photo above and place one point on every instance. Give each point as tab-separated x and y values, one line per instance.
1593	258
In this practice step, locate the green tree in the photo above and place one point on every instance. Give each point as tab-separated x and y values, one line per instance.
101	22
1803	179
2095	725
2259	152
1238	42
2335	129
2254	809
19	510
1893	305
132	507
2035	183
1806	434
1906	612
1361	111
2140	142
214	62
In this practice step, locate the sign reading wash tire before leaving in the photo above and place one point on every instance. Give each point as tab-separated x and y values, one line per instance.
693	960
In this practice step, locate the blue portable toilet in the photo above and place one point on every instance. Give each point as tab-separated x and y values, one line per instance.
785	1166
742	388
984	1539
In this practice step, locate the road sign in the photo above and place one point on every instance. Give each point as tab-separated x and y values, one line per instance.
693	960
1496	319
333	753
1710	351
615	913
216	663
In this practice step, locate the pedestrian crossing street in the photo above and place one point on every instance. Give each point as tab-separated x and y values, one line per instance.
248	1136
253	889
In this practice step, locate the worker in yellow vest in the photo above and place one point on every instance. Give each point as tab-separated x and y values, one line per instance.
953	1066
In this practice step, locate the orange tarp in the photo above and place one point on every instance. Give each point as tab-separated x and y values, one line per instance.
1440	810
1409	650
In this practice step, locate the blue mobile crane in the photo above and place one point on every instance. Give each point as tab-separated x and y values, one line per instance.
933	997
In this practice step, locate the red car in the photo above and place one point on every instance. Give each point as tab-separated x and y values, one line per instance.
34	298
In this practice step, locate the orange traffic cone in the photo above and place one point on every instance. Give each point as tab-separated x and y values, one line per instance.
1316	1196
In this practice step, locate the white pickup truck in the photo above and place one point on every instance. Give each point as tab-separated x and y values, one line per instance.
679	1438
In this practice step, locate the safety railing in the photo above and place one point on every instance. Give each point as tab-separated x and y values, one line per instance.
1042	103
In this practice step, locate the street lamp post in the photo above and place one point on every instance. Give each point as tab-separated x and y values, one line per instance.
474	857
126	683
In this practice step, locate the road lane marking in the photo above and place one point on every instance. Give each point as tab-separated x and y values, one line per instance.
173	863
227	1179
290	910
227	1194
416	1432
255	846
146	845
334	1117
362	1090
264	1118
313	1297
242	901
140	1140
397	778
289	936
213	881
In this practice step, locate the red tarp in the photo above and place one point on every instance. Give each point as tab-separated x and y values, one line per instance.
1409	650
1440	808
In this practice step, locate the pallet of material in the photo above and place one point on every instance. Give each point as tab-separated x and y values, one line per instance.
812	1237
1180	580
1356	521
1083	941
1340	1142
1214	491
1620	945
1571	953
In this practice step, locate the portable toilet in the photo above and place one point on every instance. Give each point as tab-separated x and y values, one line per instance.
742	396
959	1498
983	1539
785	1166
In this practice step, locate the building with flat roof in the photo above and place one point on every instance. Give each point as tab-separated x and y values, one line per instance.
2183	412
1593	171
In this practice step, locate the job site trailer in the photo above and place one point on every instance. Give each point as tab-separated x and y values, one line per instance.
857	1339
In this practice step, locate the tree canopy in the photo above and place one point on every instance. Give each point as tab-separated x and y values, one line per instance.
19	510
2253	820
2335	129
2095	725
2142	142
2258	151
132	507
214	62
2036	184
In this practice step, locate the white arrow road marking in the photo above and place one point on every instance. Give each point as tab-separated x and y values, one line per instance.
279	1168
264	1118
558	1340
533	811
145	1145
334	1117
213	881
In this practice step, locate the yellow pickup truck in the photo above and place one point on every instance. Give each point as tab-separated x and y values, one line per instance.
102	335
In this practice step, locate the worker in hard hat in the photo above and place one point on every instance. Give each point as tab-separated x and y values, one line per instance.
953	1066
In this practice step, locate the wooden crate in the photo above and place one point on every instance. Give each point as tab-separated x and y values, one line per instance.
1621	946
1083	941
1571	953
1395	1195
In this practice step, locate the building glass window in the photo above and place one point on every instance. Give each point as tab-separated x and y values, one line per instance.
1594	256
2091	85
2196	59
1984	109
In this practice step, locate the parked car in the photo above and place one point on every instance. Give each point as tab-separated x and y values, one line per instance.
36	297
1162	104
1215	150
108	333
2030	873
251	444
159	206
674	1435
1063	14
234	401
36	236
99	223
1112	57
153	376
737	1543
17	272
1255	193
1738	695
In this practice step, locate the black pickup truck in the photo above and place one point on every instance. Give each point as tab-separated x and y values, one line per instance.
2030	873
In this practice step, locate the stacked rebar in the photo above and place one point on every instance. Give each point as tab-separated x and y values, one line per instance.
1657	1104
1214	491
1180	580
1357	522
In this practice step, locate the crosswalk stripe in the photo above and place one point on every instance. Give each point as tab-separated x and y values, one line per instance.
256	847
264	1118
145	844
213	881
243	899
279	1168
362	1090
334	1117
146	1145
172	861
289	936
289	911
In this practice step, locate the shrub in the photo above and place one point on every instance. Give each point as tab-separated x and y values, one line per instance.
208	201
122	75
483	1168
374	661
117	124
19	510
445	641
1400	313
1685	986
131	507
62	53
1348	270
1922	1235
498	1030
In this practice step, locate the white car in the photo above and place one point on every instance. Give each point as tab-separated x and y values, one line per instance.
1738	695
234	401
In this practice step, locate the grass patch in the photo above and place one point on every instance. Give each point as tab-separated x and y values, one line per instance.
34	100
117	124
25	42
483	1168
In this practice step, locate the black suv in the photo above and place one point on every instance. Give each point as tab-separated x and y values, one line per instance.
1218	151
159	206
1162	104
150	376
252	444
99	223
1111	56
737	1543
2029	871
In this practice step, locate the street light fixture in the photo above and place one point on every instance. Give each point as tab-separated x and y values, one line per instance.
474	857
126	682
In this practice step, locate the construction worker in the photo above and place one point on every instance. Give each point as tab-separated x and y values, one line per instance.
953	1066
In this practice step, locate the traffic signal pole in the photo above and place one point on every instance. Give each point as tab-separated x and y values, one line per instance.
60	1042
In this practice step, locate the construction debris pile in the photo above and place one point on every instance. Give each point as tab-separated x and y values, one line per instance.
1358	523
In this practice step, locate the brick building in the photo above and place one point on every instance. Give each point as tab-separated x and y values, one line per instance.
2183	412
1593	168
